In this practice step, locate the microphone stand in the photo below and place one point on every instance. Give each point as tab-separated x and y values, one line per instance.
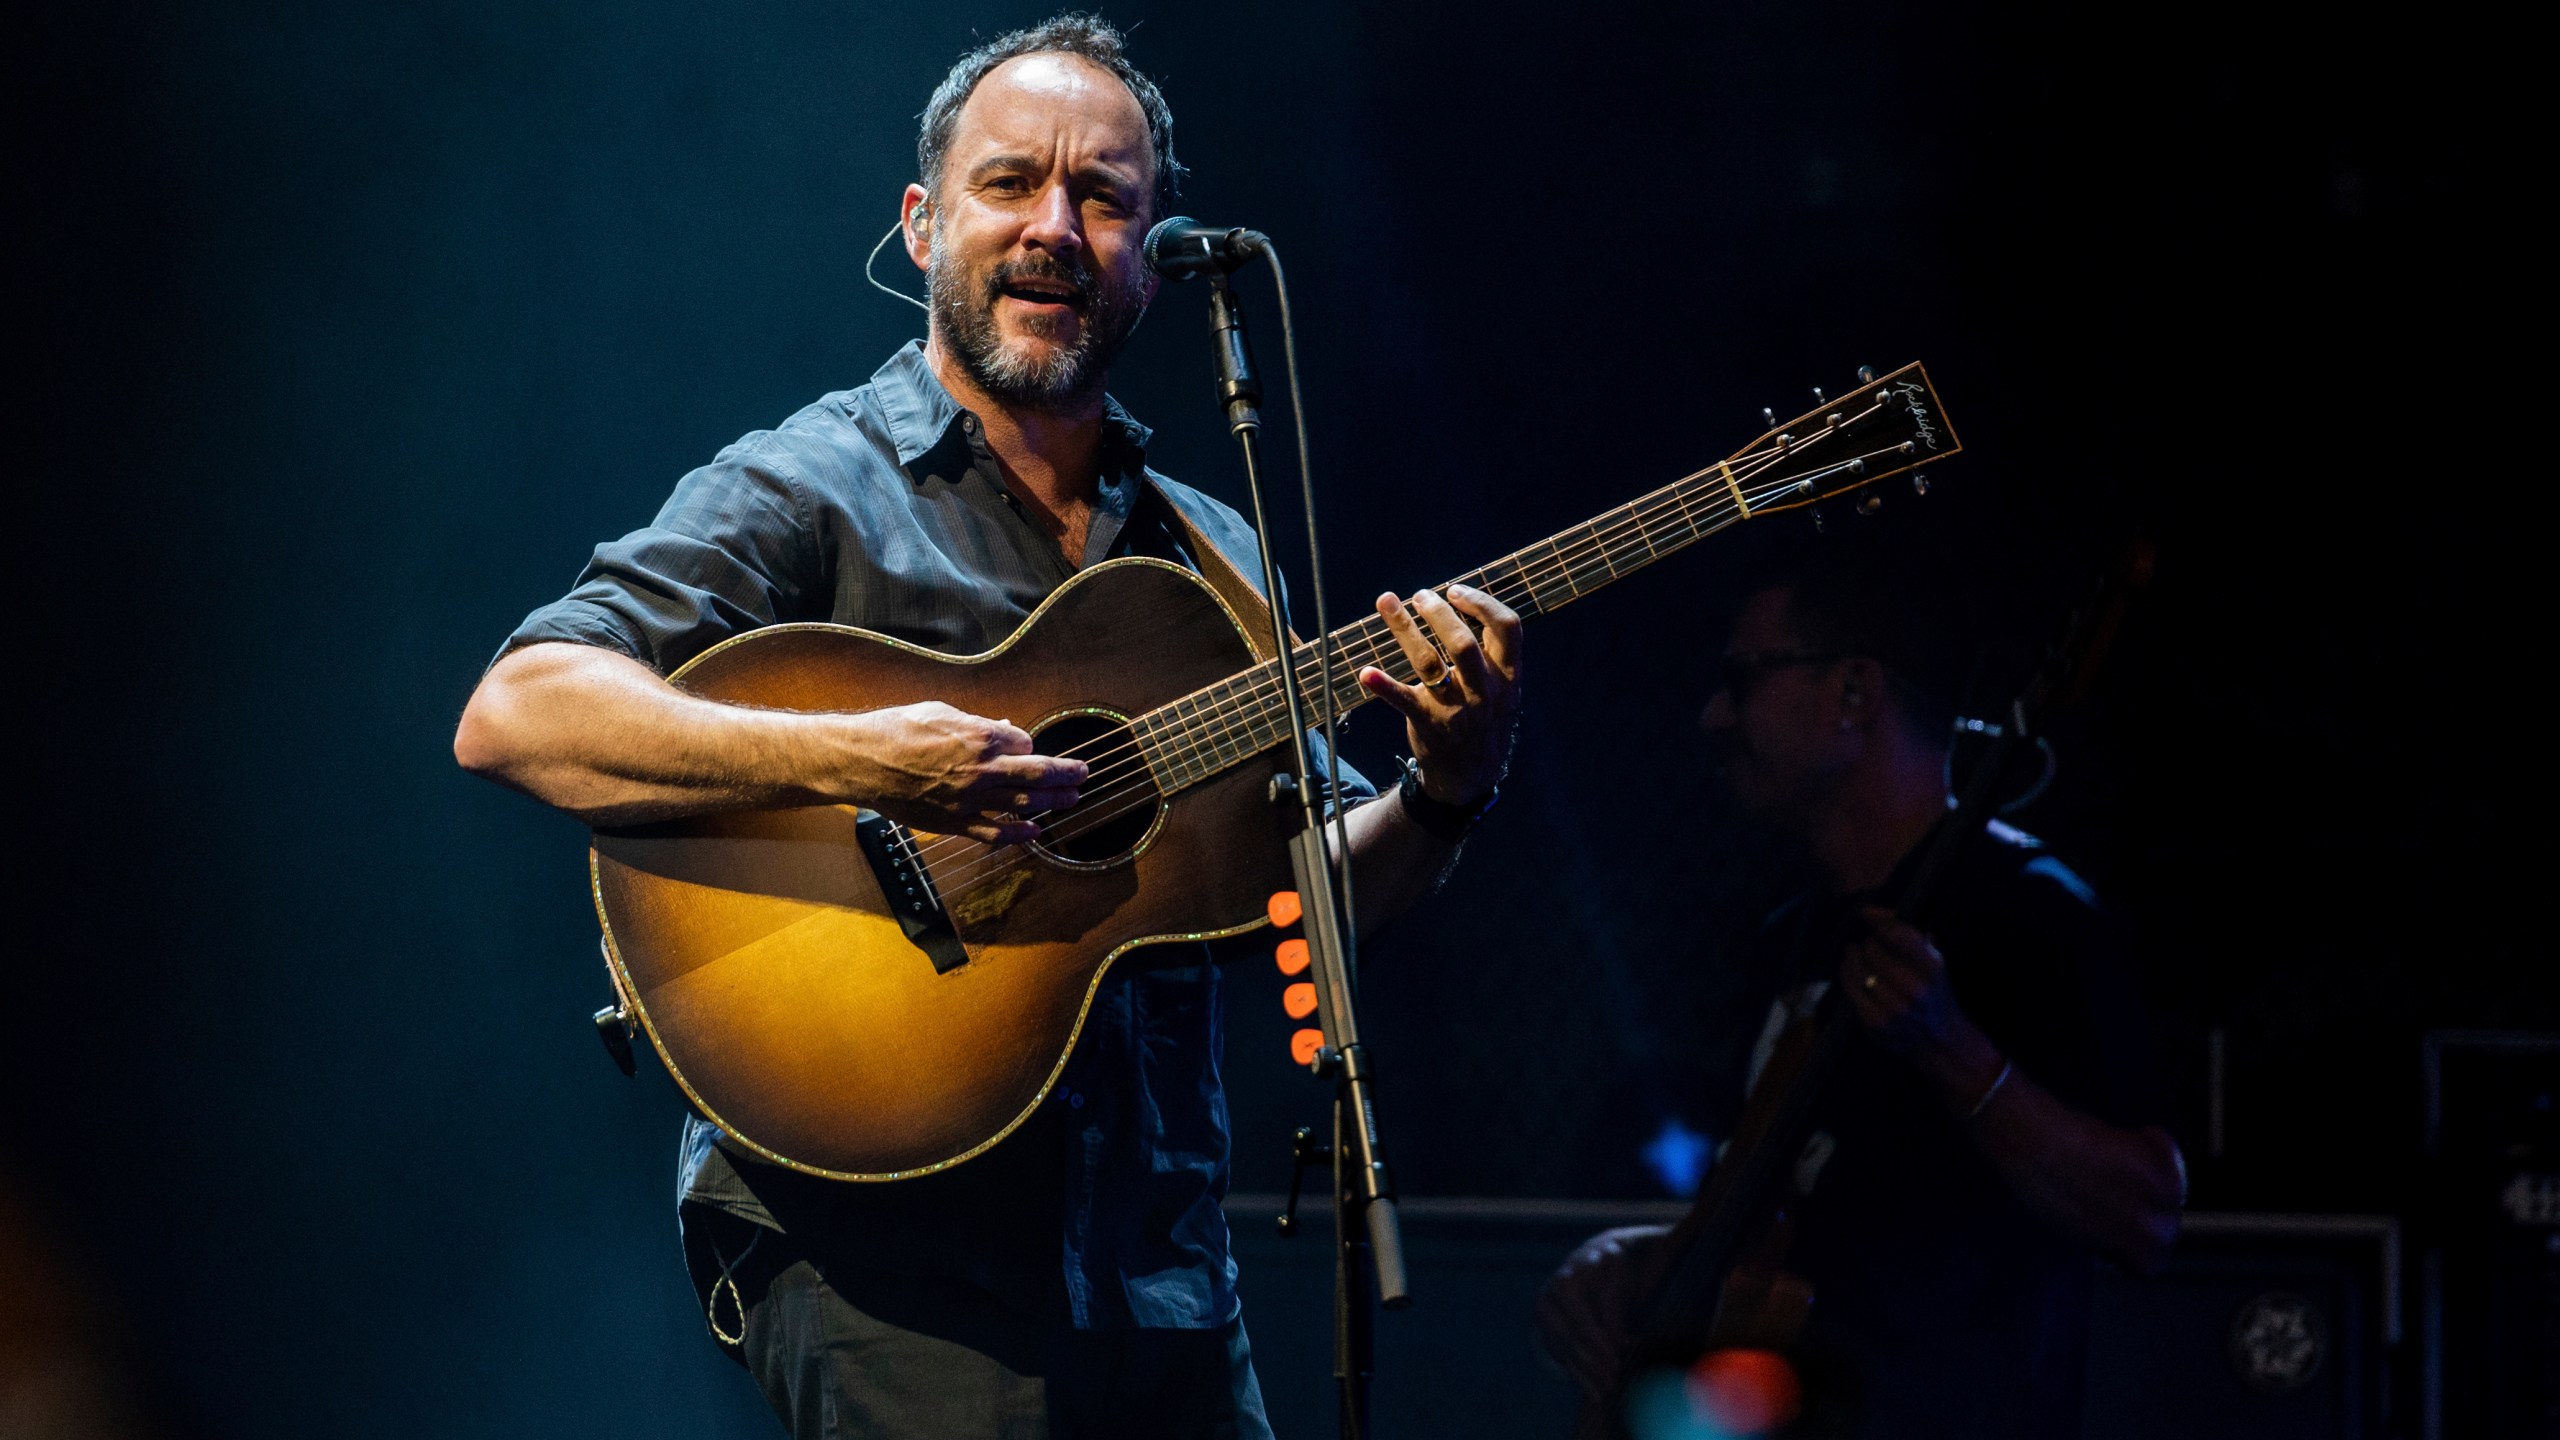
1364	1206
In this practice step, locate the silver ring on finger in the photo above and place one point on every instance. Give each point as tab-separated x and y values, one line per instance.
1445	686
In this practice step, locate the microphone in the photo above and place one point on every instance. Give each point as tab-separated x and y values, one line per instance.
1181	247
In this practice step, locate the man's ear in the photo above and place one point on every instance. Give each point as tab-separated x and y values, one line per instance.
915	228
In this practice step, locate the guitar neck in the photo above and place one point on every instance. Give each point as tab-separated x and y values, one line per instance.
1205	732
1890	427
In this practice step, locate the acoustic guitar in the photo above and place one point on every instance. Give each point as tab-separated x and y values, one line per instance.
863	1001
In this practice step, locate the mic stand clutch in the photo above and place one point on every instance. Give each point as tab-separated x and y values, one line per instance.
1364	1206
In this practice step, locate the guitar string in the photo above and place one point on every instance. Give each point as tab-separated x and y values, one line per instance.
1521	574
1604	539
1141	796
1077	823
1197	746
1720	516
1191	741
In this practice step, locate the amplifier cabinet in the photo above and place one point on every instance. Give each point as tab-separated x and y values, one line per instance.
2262	1327
2490	1311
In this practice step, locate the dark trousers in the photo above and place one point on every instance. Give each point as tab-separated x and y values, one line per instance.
841	1351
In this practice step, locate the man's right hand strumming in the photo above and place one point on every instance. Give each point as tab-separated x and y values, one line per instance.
605	738
935	768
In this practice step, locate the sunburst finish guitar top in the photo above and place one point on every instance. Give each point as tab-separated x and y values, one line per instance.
771	969
862	1002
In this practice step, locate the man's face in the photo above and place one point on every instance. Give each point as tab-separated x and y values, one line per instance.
1780	724
1035	271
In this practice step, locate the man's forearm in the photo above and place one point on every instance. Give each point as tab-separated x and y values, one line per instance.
601	736
1395	863
2116	1189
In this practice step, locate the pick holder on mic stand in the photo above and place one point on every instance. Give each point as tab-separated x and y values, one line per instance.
1364	1205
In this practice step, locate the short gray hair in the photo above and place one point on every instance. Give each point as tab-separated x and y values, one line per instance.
1087	37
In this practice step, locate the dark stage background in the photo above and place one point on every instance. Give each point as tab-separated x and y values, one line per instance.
344	331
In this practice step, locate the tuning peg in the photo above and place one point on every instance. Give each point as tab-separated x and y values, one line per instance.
1919	483
1819	398
1866	374
1819	524
1769	415
1870	503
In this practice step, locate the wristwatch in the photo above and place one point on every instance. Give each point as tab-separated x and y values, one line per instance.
1438	818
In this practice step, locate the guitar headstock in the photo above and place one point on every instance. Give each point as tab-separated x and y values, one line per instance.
1881	427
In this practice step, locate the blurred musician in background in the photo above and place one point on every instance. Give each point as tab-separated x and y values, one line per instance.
1996	1125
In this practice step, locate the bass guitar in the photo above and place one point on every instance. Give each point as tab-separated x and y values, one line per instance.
862	1001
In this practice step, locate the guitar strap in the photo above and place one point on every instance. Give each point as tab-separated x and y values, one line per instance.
1225	580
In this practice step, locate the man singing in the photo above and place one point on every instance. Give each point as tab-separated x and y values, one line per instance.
1075	1279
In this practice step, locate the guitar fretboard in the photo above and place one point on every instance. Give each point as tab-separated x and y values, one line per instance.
1207	731
1882	432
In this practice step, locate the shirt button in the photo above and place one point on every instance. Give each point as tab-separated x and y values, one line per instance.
1075	1099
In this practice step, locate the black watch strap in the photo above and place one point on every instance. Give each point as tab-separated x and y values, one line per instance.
1438	818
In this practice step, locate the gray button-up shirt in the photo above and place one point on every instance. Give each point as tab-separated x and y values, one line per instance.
881	507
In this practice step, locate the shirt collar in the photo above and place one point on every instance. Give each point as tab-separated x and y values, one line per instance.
922	415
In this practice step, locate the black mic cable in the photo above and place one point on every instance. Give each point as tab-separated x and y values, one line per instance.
1315	576
1181	248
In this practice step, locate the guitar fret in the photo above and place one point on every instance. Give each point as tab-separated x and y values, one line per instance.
1578	570
1685	506
1644	535
1630	546
1165	745
1603	550
1193	763
1550	572
1505	575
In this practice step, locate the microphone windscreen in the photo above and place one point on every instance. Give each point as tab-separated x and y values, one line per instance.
1172	225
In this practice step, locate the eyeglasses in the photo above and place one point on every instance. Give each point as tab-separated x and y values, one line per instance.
1740	673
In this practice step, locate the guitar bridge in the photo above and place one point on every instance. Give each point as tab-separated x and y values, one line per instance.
909	891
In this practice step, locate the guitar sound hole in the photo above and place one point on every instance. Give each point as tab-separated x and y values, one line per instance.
1119	803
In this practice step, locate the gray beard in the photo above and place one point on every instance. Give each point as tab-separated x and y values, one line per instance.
965	316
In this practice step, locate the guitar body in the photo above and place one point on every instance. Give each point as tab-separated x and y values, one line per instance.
762	957
861	1002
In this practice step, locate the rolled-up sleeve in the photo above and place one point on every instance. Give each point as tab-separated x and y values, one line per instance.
1357	790
730	551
